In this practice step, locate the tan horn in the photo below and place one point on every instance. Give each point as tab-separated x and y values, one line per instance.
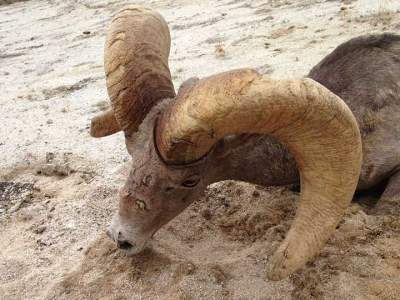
104	124
136	65
317	127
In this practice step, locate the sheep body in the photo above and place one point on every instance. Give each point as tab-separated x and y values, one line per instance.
365	73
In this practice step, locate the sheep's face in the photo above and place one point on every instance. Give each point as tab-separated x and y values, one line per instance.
153	194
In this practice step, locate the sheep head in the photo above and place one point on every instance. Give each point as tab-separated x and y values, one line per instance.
154	192
174	163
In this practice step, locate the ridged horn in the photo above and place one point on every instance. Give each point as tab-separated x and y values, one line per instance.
317	127
136	65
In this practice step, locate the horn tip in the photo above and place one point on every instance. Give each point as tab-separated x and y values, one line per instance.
96	129
103	125
279	267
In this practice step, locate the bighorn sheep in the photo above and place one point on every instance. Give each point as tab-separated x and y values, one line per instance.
229	125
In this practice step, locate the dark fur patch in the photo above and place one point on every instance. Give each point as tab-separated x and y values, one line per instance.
365	73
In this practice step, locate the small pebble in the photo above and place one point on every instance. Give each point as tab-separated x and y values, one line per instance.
39	229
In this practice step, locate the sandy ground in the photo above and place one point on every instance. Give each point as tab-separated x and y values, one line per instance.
58	185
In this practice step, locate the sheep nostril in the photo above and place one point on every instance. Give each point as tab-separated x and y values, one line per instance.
124	245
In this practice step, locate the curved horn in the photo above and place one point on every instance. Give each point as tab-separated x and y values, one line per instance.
136	66
104	124
317	127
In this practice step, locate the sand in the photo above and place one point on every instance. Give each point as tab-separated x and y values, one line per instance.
58	185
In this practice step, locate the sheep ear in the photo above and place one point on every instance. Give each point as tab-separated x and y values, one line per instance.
104	124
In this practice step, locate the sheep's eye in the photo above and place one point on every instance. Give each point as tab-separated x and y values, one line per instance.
192	182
